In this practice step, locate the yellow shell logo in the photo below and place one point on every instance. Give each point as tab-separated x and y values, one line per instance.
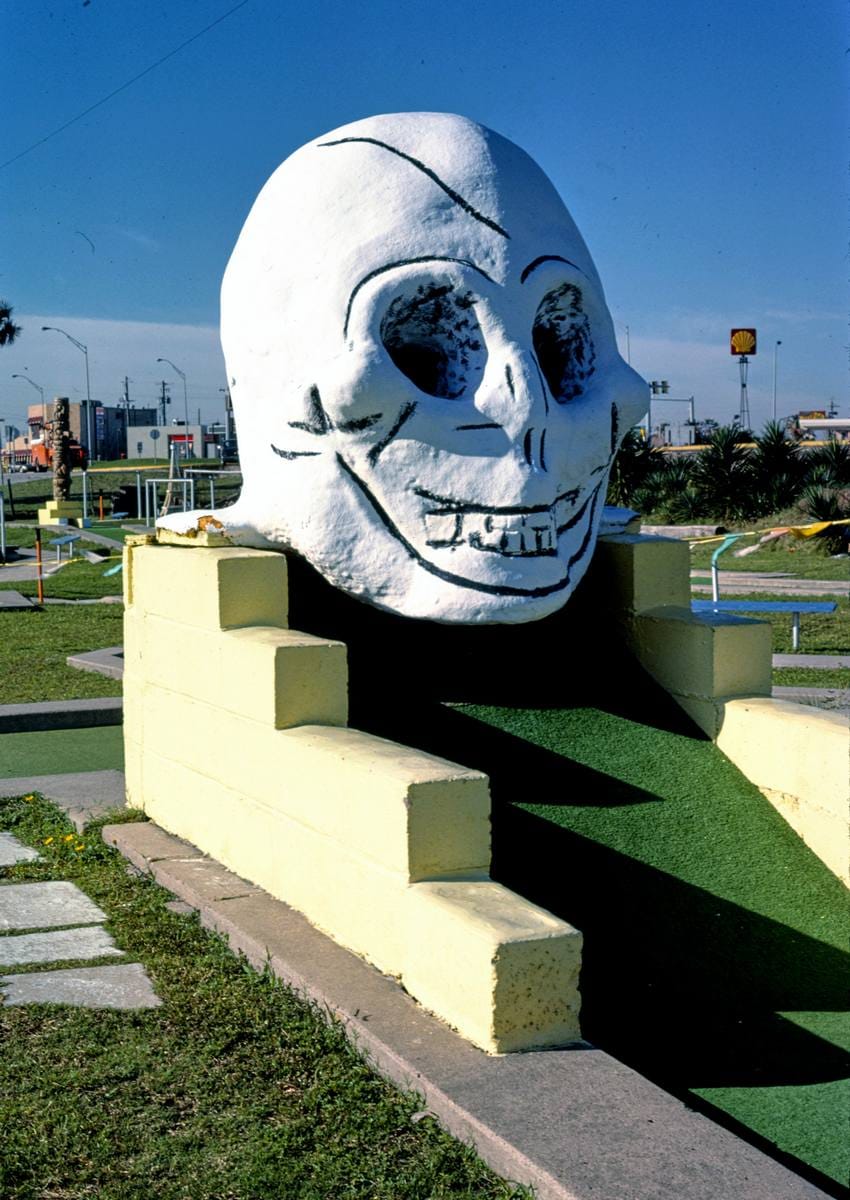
742	341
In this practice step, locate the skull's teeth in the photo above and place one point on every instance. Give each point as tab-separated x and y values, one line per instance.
511	534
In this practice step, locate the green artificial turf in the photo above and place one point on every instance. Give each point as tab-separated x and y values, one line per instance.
232	1090
61	751
706	919
34	644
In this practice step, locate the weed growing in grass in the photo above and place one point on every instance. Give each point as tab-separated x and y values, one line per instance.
234	1088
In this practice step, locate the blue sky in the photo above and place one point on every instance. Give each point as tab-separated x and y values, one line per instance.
700	146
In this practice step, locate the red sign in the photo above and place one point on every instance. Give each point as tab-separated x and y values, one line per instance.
742	341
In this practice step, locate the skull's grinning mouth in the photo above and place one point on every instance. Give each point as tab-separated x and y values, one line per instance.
490	588
514	532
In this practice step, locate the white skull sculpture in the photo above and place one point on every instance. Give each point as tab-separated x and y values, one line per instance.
426	383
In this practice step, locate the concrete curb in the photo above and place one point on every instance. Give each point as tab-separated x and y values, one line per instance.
575	1124
60	714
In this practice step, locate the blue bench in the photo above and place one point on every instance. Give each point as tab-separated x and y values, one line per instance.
794	607
68	540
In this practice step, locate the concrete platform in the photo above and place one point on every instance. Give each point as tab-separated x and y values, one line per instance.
11	599
575	1124
60	714
816	662
83	797
109	661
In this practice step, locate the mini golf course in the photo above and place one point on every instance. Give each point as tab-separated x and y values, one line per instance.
716	944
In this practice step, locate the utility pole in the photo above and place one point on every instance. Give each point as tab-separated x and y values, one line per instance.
164	399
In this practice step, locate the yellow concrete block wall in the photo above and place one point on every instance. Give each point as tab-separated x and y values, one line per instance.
718	668
800	758
636	572
468	941
235	739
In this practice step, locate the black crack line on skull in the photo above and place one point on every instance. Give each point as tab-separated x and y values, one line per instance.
406	262
318	422
586	540
577	516
447	576
543	451
615	428
532	266
543	386
378	449
448	505
426	170
509	376
526	447
294	453
483	425
360	423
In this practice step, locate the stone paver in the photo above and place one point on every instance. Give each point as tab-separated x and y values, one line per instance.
12	851
45	905
125	986
89	941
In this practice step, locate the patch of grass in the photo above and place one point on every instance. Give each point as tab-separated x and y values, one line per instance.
810	677
34	494
233	1088
35	643
77	580
804	558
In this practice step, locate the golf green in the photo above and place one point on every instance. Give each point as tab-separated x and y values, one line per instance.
61	751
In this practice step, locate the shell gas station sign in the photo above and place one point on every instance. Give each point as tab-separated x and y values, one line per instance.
742	341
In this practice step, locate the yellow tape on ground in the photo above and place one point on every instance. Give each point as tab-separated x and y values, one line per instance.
801	531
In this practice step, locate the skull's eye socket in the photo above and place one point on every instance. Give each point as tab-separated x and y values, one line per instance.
562	342
432	336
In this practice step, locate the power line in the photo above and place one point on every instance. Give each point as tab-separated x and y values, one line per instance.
124	86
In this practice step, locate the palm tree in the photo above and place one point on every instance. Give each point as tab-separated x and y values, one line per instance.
8	329
777	470
722	475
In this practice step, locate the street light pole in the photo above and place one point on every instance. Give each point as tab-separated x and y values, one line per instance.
91	447
776	346
43	406
32	383
185	399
